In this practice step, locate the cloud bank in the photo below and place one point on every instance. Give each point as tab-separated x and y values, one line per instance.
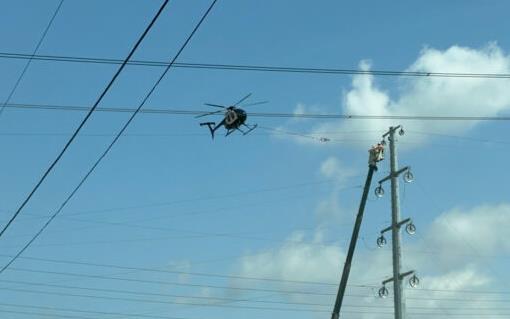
426	96
446	282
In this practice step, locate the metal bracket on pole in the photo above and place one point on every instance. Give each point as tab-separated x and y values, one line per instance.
403	222
401	276
413	282
396	174
392	130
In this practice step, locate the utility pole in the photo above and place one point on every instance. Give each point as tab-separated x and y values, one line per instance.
376	154
396	224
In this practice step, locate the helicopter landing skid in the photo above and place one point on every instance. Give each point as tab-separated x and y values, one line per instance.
249	129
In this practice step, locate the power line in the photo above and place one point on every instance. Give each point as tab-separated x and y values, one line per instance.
208	198
119	134
223	276
453	228
263	301
185	213
31	57
195	234
467	138
108	313
250	288
63	316
324	116
43	134
152	301
139	293
39	314
163	271
314	136
363	308
219	196
208	298
101	96
258	68
57	159
169	283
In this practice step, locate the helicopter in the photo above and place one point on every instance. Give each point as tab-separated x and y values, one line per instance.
234	117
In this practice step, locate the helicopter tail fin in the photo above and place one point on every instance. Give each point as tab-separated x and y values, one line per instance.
210	125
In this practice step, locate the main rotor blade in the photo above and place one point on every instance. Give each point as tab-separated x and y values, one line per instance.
210	113
243	99
255	103
216	105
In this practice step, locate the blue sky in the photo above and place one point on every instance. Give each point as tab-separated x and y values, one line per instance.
266	205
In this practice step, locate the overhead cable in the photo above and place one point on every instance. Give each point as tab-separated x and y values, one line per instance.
30	57
106	313
119	134
165	295
363	308
163	271
137	292
159	301
325	116
78	129
245	288
258	68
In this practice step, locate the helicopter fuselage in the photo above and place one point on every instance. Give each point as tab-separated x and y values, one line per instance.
234	117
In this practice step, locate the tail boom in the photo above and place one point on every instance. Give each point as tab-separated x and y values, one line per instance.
211	126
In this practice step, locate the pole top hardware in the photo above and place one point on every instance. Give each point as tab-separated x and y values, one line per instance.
407	178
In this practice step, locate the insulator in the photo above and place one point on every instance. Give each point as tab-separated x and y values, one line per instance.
383	292
381	241
408	177
411	228
379	191
414	281
401	132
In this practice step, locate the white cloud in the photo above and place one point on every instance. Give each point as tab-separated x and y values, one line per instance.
432	96
444	281
449	294
181	265
296	259
471	235
329	208
334	169
462	280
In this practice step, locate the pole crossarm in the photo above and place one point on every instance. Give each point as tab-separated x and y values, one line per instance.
401	276
391	130
399	224
396	174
